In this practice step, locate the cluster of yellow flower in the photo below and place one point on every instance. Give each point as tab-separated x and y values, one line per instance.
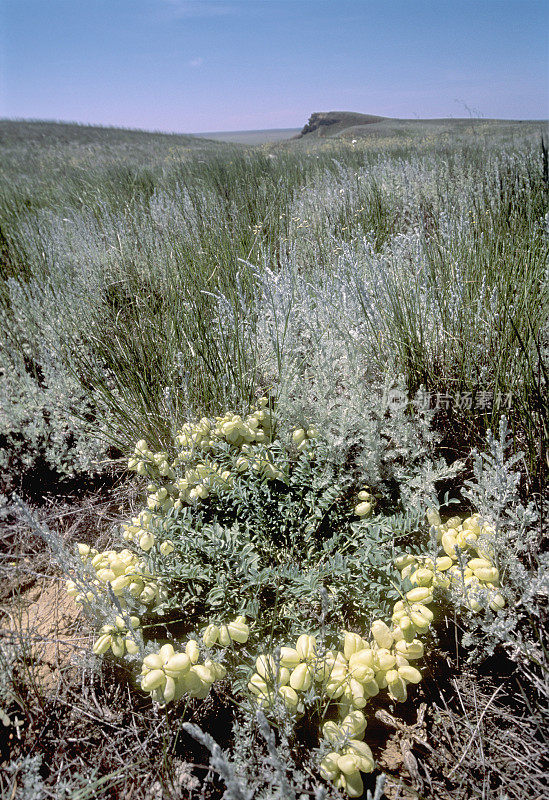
143	530
196	483
147	463
230	428
260	462
351	676
168	675
116	570
236	631
474	577
120	637
198	441
350	754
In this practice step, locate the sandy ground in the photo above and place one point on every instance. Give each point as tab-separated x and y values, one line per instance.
45	621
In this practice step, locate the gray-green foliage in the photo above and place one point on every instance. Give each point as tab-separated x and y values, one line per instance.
27	782
269	549
259	766
524	575
42	418
314	348
26	777
425	289
132	277
9	655
221	764
263	763
494	493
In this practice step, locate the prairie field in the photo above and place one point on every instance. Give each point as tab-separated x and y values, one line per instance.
273	439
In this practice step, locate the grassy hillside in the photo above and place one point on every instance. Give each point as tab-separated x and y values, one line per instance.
63	158
292	368
50	134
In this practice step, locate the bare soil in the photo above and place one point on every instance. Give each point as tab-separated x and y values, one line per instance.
45	621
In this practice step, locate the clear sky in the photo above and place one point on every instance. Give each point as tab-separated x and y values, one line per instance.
207	65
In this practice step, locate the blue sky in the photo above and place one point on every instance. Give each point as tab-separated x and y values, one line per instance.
205	65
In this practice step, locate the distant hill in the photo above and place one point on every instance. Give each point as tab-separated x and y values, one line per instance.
332	123
251	137
350	125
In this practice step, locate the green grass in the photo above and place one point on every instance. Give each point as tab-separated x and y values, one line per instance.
132	263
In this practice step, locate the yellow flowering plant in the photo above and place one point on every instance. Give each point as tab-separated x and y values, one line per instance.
249	546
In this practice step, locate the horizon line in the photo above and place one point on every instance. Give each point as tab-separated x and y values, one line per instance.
255	130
